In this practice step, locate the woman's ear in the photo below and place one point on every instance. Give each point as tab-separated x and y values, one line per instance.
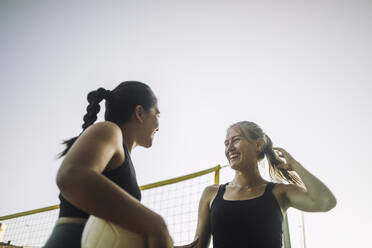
260	143
139	113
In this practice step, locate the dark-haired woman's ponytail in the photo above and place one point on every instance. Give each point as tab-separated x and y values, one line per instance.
94	98
273	160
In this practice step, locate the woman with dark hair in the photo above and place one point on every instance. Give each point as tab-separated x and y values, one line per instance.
97	176
248	211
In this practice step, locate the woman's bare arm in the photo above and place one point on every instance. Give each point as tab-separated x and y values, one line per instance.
203	229
81	182
315	198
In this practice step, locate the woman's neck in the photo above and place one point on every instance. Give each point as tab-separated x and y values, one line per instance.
128	136
247	179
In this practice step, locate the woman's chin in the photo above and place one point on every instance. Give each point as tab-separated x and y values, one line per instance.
148	144
234	166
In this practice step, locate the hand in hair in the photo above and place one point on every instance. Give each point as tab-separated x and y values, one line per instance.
312	196
288	163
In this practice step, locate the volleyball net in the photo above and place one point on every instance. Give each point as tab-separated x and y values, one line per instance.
176	200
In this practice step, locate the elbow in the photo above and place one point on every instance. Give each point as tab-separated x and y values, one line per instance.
61	182
328	204
333	203
66	179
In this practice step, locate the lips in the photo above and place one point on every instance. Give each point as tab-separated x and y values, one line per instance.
233	156
156	129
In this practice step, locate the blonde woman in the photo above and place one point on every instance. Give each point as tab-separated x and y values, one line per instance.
248	211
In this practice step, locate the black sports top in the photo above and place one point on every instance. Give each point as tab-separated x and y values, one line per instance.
254	223
124	176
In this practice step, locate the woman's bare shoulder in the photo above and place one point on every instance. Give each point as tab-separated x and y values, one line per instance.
105	131
212	187
210	193
98	139
104	127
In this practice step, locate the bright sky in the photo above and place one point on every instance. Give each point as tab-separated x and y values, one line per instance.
301	70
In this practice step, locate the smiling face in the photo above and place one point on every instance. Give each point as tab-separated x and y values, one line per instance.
240	151
149	126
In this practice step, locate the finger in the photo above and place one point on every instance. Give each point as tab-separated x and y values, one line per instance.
279	166
282	158
279	155
282	166
280	149
278	152
284	152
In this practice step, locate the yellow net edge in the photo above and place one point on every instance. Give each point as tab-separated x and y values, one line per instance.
215	169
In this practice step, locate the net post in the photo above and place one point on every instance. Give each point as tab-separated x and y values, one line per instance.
286	237
217	174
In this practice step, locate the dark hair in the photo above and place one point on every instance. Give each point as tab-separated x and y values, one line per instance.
253	131
120	105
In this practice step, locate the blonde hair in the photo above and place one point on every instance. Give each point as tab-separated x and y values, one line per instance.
253	131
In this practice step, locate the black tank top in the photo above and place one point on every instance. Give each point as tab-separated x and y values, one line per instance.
255	223
124	176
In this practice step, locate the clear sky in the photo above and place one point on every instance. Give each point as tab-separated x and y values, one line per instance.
301	70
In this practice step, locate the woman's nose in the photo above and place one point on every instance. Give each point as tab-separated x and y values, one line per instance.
229	147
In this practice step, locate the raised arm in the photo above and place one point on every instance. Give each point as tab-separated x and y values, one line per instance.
315	198
81	182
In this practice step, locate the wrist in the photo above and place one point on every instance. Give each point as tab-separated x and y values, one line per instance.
296	166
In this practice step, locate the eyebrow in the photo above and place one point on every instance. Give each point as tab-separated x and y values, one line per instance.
233	137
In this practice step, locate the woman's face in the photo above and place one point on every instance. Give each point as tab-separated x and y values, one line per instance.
150	126
239	150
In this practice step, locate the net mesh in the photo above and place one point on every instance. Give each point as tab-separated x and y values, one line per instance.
177	203
30	230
